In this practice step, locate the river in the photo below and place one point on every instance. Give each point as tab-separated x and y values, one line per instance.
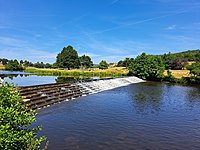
153	116
27	79
141	116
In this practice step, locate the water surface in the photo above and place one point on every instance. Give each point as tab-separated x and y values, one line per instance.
26	79
151	116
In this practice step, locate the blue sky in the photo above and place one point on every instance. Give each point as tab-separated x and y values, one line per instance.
110	30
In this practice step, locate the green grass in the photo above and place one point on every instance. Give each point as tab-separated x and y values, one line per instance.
56	72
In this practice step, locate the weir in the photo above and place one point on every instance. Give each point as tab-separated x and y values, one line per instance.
40	96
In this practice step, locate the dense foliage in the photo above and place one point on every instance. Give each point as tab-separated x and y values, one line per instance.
68	58
3	61
179	60
85	61
147	67
15	133
103	65
125	63
13	65
42	65
26	63
195	71
190	55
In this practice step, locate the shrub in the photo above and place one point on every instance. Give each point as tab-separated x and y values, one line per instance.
15	132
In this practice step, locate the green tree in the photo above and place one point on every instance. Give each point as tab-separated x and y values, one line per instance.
15	133
180	63
68	58
194	69
198	57
147	67
125	63
168	60
103	65
85	61
47	65
39	65
120	63
21	62
28	63
4	61
13	65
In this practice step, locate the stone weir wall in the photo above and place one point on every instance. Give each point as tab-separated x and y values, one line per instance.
39	96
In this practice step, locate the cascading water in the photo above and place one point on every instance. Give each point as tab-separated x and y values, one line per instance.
102	85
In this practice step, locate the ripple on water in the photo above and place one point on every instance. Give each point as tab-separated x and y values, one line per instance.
151	116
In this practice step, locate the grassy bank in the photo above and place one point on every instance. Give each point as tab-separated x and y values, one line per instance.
112	72
181	76
2	66
179	73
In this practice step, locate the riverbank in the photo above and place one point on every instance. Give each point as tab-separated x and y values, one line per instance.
111	72
179	73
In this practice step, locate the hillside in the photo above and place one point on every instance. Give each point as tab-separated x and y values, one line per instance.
190	55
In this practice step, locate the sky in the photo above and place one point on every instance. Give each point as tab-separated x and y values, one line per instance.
111	30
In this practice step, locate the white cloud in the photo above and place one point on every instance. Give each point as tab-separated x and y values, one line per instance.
113	2
30	54
13	48
111	58
172	27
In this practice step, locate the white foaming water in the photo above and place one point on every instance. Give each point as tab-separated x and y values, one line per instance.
102	85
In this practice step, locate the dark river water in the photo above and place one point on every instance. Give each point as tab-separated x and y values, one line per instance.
144	116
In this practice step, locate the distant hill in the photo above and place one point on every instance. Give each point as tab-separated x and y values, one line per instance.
190	55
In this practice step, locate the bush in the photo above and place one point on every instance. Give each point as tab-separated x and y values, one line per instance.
169	77
147	67
15	132
13	65
103	65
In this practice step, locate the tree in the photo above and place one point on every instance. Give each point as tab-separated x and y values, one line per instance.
120	63
13	65
47	65
180	63
39	65
15	132
194	69
168	60
85	61
198	57
68	58
103	65
21	62
125	63
4	61
147	67
27	63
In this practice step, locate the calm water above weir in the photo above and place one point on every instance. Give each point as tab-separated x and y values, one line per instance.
27	79
151	116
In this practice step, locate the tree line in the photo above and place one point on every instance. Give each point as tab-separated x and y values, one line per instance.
152	67
67	59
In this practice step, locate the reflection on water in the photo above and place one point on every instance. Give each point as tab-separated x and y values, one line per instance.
147	98
148	115
26	79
